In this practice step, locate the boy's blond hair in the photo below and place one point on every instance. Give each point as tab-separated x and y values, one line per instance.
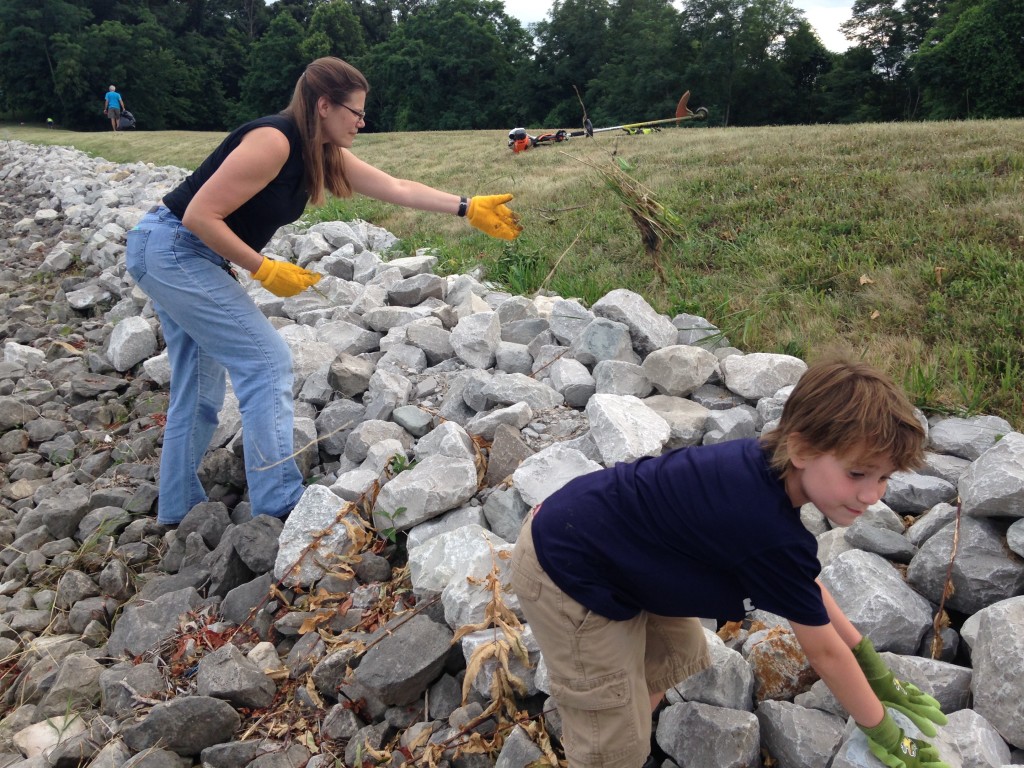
851	409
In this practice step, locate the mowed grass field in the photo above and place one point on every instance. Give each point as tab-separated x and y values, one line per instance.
900	242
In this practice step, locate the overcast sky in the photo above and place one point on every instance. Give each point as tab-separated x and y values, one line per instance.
824	15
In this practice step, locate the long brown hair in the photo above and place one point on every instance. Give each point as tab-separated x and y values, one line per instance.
325	167
851	409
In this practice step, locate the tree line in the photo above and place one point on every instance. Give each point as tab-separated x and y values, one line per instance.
466	64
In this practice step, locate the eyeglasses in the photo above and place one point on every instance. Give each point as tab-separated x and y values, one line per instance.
359	113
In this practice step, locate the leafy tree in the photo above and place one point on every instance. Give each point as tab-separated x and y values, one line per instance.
250	17
977	69
417	82
275	62
803	62
712	28
893	30
143	62
571	49
850	90
377	18
300	10
877	25
334	31
30	32
761	82
641	77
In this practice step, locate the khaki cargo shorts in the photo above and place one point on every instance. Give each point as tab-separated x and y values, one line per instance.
602	672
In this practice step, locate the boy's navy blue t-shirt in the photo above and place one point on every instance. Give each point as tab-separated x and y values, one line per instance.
706	531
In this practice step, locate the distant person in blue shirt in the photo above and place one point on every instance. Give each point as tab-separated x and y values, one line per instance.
612	569
113	104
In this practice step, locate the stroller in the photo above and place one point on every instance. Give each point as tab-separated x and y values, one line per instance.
127	120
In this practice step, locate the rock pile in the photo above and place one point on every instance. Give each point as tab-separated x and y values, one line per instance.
432	412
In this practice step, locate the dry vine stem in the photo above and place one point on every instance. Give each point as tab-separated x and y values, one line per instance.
941	619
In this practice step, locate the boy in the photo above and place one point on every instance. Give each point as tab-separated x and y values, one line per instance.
612	567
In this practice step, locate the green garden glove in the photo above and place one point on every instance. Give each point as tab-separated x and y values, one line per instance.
895	749
282	278
491	216
907	698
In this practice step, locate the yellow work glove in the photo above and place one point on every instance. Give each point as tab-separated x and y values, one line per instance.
491	216
282	278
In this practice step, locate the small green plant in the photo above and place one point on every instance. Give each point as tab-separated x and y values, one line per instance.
391	532
399	463
970	384
921	383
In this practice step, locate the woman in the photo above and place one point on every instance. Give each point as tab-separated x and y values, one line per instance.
224	214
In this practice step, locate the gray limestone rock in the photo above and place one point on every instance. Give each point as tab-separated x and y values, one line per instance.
678	370
967	438
692	733
913	493
227	674
603	340
548	470
877	600
618	377
624	428
880	541
760	374
399	668
993	486
433	486
796	736
687	420
144	626
983	572
185	725
649	330
568	319
132	341
728	682
998	657
930	523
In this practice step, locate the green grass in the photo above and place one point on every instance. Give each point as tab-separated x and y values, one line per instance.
899	242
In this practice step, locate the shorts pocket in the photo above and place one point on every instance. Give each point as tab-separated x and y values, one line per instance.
525	586
135	252
600	725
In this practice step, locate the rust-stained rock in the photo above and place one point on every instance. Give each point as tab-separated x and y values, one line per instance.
781	671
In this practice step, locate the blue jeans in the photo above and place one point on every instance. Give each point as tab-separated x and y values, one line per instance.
210	326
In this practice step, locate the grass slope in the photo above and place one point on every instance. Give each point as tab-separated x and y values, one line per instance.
899	242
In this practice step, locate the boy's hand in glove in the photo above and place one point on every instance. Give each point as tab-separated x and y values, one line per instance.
490	215
282	278
895	749
921	708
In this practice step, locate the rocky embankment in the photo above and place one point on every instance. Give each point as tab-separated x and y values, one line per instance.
374	627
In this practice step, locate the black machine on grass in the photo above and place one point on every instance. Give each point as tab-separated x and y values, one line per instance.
519	140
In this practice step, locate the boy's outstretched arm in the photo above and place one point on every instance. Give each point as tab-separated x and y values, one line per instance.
829	649
833	660
921	708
